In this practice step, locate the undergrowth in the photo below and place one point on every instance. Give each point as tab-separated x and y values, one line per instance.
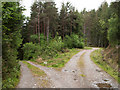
12	78
60	60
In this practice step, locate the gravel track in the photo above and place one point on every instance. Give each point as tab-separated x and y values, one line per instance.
73	75
27	80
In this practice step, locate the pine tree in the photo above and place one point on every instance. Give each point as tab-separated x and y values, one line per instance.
12	21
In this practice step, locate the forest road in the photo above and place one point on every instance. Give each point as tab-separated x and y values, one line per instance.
79	72
27	80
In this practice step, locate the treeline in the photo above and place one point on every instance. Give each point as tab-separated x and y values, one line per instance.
97	27
101	27
46	20
48	32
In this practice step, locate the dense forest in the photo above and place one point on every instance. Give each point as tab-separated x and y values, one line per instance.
48	32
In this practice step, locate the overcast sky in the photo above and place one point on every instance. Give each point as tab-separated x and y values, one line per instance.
78	4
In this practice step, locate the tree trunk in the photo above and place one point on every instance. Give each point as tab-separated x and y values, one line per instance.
48	29
71	28
84	34
36	27
39	27
63	29
44	27
63	32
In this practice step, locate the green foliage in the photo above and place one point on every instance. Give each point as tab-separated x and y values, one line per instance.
12	20
57	43
31	50
114	24
12	79
70	20
60	60
96	25
43	40
73	41
113	31
93	23
34	38
51	49
97	58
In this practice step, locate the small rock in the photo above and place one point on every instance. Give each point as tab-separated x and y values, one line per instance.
65	70
73	71
45	62
98	70
75	79
106	80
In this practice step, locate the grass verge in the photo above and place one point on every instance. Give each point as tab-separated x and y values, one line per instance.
60	60
87	48
35	71
97	58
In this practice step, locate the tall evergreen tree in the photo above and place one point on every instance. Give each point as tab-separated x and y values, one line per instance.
12	21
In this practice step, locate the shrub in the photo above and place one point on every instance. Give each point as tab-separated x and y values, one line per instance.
12	78
31	50
73	41
57	43
49	50
34	38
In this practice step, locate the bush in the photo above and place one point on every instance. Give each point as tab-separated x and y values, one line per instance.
57	43
73	41
12	78
34	38
49	50
30	50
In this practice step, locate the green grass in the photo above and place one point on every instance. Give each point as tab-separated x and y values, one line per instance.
87	48
36	71
97	58
81	61
82	75
60	60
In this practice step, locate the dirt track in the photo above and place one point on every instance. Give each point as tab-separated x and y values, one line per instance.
27	80
79	72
